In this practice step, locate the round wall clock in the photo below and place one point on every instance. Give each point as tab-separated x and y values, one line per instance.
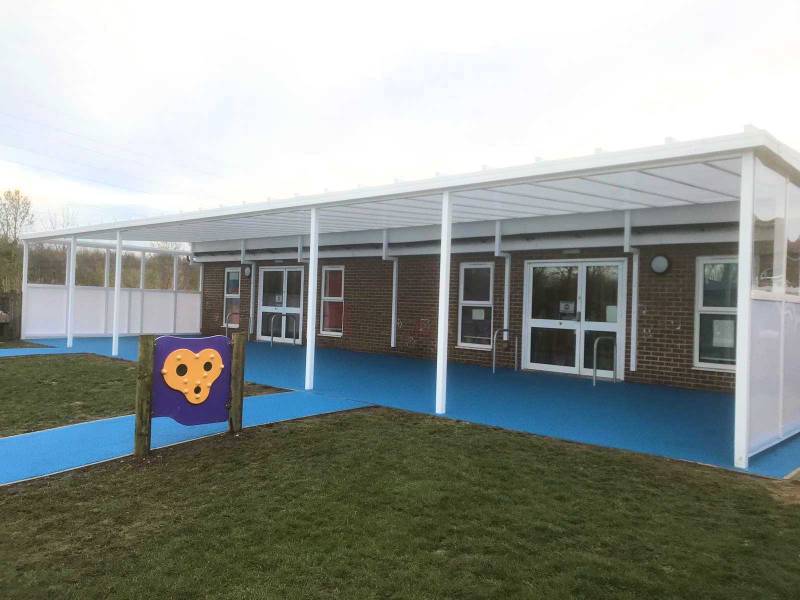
659	264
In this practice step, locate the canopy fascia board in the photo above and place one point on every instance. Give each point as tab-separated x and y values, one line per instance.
696	214
727	234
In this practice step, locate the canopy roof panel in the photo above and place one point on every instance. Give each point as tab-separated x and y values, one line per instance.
675	174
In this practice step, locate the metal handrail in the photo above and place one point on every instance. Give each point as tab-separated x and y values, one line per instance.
494	347
295	339
228	318
613	341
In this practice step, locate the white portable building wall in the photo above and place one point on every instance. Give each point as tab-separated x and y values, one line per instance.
768	379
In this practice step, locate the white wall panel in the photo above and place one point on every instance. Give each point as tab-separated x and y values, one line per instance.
791	370
157	312
134	312
89	310
46	308
188	312
765	374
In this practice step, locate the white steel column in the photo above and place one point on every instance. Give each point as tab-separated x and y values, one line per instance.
73	259
311	322
175	294
444	304
117	294
741	434
25	252
395	268
634	309
105	291
142	263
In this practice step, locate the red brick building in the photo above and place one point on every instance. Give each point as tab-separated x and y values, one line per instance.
674	265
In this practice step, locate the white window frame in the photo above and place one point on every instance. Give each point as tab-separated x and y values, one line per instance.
699	309
227	296
324	299
475	303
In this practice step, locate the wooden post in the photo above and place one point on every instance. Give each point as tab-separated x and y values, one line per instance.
144	395
239	340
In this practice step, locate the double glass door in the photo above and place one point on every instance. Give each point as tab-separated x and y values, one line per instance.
568	306
280	304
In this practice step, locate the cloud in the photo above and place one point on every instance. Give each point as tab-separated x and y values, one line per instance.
172	106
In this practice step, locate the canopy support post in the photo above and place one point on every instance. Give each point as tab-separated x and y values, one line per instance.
73	259
741	428
444	304
24	287
117	294
311	323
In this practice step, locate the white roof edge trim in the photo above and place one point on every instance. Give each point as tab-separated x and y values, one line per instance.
706	148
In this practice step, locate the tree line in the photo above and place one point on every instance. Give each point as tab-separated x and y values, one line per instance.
47	261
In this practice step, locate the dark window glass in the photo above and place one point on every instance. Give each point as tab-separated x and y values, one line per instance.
553	346
555	293
719	285
605	350
601	294
477	284
476	325
717	339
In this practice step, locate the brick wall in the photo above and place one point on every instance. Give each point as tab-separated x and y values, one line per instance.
666	308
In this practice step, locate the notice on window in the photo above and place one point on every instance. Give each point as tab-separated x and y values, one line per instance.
611	313
566	307
478	314
723	334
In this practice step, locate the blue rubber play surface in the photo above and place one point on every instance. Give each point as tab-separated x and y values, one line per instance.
53	450
676	423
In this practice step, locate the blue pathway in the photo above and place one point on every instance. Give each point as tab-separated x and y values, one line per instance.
54	450
682	424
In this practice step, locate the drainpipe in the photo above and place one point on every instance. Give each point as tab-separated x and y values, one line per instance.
498	239
253	284
395	268
634	290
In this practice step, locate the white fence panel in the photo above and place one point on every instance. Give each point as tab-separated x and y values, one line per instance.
134	312
158	311
45	311
765	374
188	312
791	368
90	309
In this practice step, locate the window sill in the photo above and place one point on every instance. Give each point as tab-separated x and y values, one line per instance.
714	368
474	347
331	334
230	326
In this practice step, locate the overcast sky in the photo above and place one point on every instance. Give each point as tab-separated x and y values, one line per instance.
123	111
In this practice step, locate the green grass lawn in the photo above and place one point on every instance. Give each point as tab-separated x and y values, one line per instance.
47	391
385	504
19	344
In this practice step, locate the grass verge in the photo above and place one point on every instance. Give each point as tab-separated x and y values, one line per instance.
379	503
48	391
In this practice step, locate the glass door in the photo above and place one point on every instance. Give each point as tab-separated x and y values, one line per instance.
569	306
553	318
601	316
280	310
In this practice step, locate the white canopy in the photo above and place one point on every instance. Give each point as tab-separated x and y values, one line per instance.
673	174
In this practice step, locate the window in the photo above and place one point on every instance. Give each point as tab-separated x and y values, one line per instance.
715	313
231	304
332	317
475	305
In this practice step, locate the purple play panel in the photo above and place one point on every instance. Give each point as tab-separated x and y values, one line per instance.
170	402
